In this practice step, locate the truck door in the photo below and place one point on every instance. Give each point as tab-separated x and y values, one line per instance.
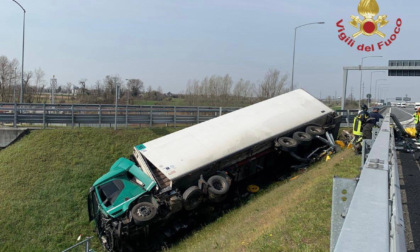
92	204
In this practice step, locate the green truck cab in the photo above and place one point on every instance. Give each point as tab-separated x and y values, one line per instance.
124	187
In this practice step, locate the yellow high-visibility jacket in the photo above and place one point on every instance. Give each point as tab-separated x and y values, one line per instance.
357	126
416	117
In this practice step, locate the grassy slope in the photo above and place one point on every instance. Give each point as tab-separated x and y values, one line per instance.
45	178
44	182
292	217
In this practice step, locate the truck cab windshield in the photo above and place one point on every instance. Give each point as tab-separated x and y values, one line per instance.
109	192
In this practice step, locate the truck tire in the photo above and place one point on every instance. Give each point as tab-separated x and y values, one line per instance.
218	185
302	138
143	212
315	130
192	198
287	143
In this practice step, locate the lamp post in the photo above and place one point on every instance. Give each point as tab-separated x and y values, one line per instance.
128	93
361	75
370	85
53	87
294	47
23	50
14	87
117	88
376	83
381	87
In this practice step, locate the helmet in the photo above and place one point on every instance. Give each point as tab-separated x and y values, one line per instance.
364	107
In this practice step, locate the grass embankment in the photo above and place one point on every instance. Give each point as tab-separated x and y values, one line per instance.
44	180
292	215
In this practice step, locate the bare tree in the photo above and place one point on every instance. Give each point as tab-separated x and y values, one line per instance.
110	82
4	76
68	88
28	90
272	85
82	83
135	87
8	77
39	83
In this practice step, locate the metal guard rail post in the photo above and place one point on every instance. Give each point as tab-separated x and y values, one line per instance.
367	215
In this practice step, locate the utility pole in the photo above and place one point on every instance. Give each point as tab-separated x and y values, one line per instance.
14	87
117	87
53	86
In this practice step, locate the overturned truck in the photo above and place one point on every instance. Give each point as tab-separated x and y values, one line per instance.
175	174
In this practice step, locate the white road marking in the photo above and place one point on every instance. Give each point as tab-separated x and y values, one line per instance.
400	109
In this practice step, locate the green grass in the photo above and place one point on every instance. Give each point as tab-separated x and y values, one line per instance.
46	175
45	178
292	215
172	102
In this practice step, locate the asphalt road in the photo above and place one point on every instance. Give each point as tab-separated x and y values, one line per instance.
410	192
403	114
410	186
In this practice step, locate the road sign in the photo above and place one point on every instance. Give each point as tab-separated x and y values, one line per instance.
407	98
404	63
398	98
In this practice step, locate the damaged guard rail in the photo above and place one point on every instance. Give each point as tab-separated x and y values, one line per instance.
367	212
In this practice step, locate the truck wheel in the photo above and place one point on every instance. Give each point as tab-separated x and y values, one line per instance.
315	130
143	212
287	143
302	138
218	185
192	198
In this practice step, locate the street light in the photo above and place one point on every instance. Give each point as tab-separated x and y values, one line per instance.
376	83
23	50
117	89
14	87
381	87
128	91
294	47
370	85
361	74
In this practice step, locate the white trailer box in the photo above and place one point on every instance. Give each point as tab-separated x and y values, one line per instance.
186	151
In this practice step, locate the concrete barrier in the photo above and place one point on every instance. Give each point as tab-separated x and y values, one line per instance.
9	135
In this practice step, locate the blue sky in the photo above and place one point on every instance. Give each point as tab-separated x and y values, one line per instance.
167	43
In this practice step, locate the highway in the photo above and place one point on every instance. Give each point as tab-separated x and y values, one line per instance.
409	170
403	114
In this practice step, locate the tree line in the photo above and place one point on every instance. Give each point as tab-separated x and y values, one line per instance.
37	89
221	91
210	91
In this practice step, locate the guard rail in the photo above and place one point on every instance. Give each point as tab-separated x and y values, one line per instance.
367	212
104	114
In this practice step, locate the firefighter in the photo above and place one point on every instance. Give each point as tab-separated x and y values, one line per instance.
358	124
375	114
363	115
416	116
